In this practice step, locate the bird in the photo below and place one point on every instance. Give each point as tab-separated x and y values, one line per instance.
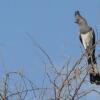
87	39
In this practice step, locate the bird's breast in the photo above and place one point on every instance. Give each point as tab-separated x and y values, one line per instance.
87	39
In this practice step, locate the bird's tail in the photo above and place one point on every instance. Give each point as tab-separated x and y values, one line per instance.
93	70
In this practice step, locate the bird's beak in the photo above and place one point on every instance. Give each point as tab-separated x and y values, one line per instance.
76	22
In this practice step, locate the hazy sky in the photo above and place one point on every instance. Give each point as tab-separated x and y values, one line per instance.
50	23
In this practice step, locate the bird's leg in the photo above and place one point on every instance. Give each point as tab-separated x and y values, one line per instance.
87	52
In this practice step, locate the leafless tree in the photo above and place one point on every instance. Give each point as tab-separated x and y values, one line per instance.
67	83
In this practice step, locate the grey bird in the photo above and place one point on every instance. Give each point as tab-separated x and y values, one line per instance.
87	38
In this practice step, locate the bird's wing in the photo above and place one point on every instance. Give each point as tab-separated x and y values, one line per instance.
80	39
93	41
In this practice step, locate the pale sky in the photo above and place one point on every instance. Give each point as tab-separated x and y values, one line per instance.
51	24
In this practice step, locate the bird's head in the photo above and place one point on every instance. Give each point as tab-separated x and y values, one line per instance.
78	18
